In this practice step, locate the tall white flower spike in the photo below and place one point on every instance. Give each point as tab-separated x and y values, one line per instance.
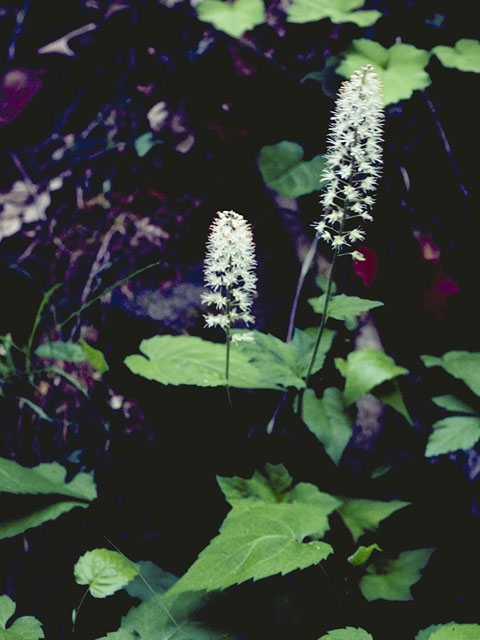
229	272
353	161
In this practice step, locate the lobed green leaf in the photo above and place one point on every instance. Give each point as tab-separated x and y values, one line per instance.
463	365
453	434
464	56
450	631
104	571
347	633
234	18
24	628
361	515
337	11
342	307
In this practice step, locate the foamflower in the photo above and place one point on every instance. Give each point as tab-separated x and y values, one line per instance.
353	161
229	271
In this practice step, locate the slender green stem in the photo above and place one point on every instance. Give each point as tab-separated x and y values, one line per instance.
227	365
77	610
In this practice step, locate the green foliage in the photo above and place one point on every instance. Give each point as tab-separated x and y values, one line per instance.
362	554
392	579
451	403
24	628
464	56
150	581
452	434
401	68
337	11
104	571
364	370
450	631
390	394
66	351
190	360
328	419
342	307
233	18
361	515
266	363
45	479
348	633
463	365
257	543
95	357
166	616
284	170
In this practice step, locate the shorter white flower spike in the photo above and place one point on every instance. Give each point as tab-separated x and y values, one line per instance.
229	271
353	160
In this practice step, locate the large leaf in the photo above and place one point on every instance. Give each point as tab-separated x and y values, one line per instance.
190	360
342	307
24	628
336	10
453	434
150	581
451	403
450	631
49	495
257	543
361	515
104	571
463	365
165	617
348	633
401	69
284	170
465	55
285	363
234	17
276	487
328	419
364	370
392	579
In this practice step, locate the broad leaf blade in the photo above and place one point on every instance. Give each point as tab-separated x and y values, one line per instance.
328	419
66	351
104	571
257	543
234	18
394	578
24	628
150	581
401	69
361	515
465	55
284	170
342	307
453	434
348	633
463	365
364	370
450	631
451	403
338	11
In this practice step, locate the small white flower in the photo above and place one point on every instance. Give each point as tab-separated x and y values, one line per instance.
229	271
358	256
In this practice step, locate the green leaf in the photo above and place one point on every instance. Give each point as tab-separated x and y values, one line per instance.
463	365
151	581
285	363
167	616
362	554
328	419
401	69
234	18
347	633
392	579
145	143
47	480
24	628
451	403
104	571
465	55
361	515
95	357
390	394
337	11
364	370
66	351
450	631
257	543
190	360
342	307
453	434
284	170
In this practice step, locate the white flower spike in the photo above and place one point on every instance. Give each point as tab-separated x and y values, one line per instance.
353	160
229	271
